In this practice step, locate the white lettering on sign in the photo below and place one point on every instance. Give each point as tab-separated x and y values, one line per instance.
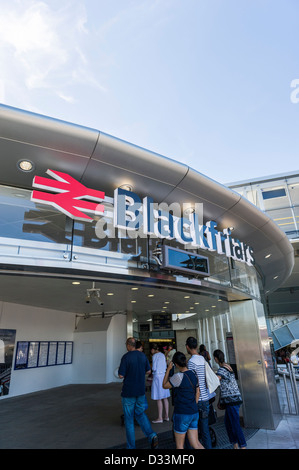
139	218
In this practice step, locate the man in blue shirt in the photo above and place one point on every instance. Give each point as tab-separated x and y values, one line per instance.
133	367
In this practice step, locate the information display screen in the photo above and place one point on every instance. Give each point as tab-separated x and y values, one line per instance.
185	262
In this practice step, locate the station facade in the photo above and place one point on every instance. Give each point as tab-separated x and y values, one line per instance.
101	240
278	197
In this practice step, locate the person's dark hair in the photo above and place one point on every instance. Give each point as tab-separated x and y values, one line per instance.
202	348
138	344
131	342
218	354
179	358
191	342
156	347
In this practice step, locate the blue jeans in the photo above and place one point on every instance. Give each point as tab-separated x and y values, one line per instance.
181	423
134	408
232	425
203	423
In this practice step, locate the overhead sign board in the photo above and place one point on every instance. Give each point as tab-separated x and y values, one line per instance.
143	217
185	262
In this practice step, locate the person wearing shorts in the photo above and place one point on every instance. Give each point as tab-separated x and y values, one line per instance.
186	395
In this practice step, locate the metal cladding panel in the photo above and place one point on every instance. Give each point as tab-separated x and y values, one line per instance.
255	368
43	158
48	143
197	185
248	212
211	210
99	175
43	131
139	161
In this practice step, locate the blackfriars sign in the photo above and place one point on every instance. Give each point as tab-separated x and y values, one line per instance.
142	216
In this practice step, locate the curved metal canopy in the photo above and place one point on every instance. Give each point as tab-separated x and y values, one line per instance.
103	162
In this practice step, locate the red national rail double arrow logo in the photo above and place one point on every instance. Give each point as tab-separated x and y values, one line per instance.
69	195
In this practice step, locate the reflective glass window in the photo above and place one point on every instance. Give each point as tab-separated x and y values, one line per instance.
23	219
273	193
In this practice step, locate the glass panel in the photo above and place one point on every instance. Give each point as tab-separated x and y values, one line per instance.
219	267
23	219
296	214
275	198
283	218
244	278
102	235
253	196
293	187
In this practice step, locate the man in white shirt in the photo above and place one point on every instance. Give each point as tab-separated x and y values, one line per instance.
197	363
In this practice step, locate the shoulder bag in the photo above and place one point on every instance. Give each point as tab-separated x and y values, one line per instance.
211	378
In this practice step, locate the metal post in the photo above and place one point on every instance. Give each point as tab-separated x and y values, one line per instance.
208	337
296	394
293	387
287	391
215	335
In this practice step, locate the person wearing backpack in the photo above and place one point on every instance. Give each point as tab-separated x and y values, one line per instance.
186	392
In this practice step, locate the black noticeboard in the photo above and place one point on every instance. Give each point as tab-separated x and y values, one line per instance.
32	354
162	321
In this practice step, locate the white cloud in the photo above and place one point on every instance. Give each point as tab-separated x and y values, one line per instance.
42	48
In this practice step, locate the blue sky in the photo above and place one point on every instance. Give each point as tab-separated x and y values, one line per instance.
205	82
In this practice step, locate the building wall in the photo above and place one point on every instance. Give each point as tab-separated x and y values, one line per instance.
98	347
38	324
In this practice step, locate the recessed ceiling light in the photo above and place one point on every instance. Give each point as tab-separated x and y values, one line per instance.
268	256
189	210
275	277
166	302
196	303
150	295
191	308
207	310
134	288
213	306
127	187
25	165
219	300
133	301
110	293
76	283
187	297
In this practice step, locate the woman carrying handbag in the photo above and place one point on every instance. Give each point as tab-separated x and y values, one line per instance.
230	400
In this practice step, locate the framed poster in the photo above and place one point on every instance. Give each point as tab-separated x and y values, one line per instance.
68	352
52	353
60	352
7	348
22	355
33	354
43	353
